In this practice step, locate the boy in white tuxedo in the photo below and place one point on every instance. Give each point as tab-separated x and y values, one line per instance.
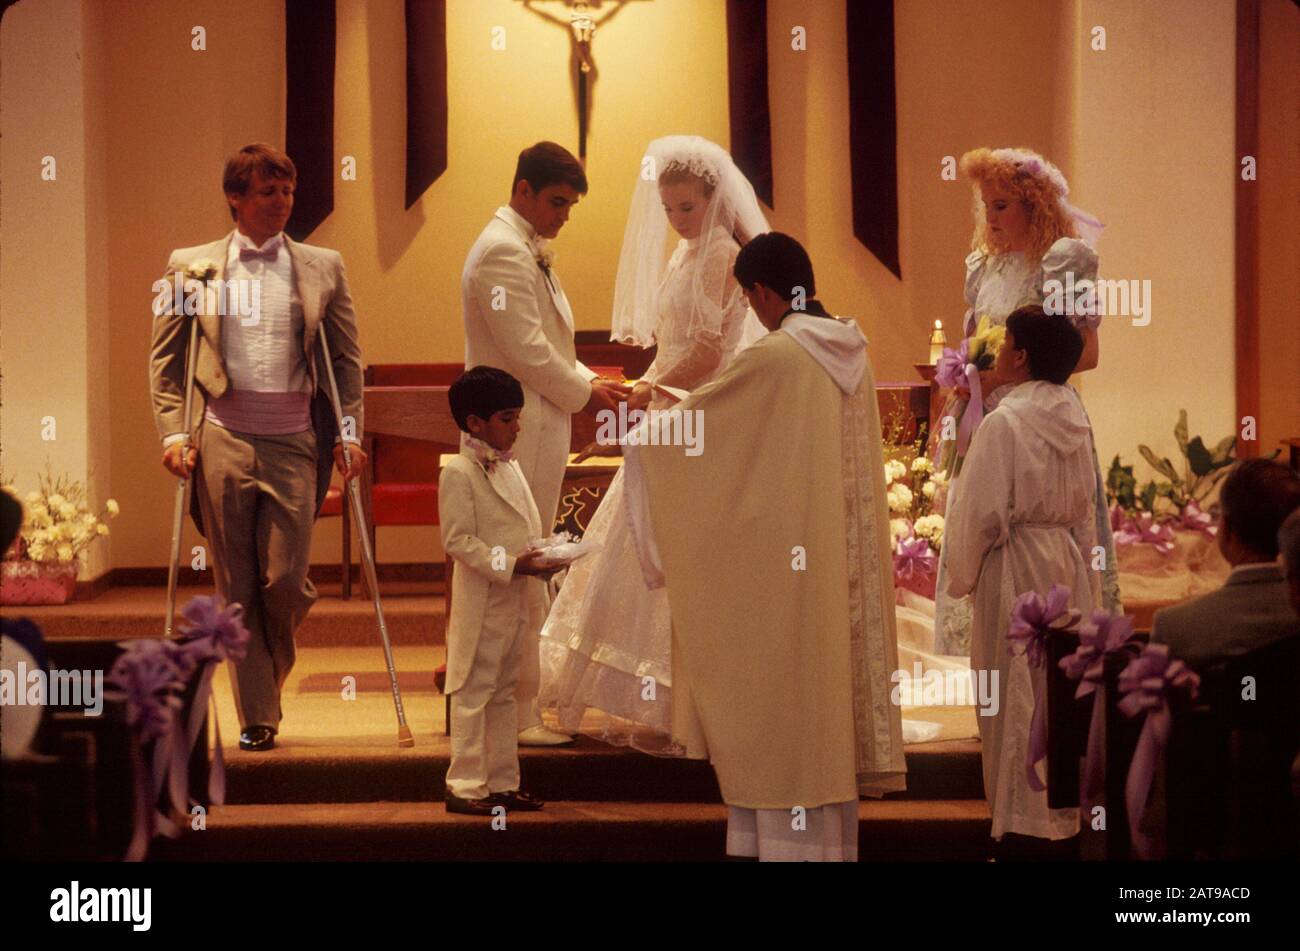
499	600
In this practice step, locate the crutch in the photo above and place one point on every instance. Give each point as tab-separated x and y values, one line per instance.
182	487
404	737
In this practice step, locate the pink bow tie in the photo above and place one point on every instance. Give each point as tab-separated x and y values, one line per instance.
253	254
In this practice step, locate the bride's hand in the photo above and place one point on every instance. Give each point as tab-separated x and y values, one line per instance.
642	393
598	449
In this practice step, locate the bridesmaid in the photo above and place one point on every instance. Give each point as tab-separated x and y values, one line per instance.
1027	236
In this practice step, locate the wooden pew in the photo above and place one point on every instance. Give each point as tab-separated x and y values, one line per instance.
1067	724
1228	764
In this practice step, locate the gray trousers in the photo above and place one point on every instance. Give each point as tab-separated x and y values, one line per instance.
257	495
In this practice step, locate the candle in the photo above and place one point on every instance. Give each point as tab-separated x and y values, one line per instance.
937	342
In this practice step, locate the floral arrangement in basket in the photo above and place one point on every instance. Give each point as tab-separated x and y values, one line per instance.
912	487
58	526
1180	500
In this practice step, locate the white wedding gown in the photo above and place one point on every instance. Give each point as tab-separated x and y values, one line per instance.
606	642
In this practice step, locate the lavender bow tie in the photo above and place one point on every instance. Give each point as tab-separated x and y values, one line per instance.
253	254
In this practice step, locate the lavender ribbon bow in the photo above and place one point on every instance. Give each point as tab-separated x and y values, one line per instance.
1103	633
913	557
486	456
1146	683
149	675
1197	519
1032	618
213	632
1141	529
955	369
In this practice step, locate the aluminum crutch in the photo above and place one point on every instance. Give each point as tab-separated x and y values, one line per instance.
404	737
183	485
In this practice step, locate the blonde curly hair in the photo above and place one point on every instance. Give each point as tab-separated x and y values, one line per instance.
1038	184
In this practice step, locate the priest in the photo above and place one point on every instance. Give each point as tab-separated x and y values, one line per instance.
773	543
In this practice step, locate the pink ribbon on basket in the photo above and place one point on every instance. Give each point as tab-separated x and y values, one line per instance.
149	676
1141	528
1196	519
215	632
1146	683
1033	616
1103	633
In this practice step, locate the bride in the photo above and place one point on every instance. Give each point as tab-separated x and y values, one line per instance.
605	643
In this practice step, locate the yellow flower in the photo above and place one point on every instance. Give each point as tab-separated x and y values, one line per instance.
56	500
67	510
113	507
101	529
65	553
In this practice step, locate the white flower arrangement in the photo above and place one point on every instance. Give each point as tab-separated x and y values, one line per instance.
911	484
57	522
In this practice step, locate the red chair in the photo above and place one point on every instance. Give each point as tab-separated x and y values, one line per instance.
400	485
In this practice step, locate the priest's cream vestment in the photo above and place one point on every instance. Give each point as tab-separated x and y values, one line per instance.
773	543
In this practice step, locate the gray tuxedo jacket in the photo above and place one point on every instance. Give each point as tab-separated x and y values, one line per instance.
1250	611
326	302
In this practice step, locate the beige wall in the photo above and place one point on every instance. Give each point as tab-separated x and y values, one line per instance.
1154	160
155	128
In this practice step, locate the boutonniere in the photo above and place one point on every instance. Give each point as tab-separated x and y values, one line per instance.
486	456
202	271
545	258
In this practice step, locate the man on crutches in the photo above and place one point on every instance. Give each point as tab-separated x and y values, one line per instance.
262	432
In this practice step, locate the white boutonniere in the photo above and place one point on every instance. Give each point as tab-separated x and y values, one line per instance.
545	258
202	270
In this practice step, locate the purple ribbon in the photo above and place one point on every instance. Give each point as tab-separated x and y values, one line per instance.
149	675
951	368
913	557
1141	528
1197	520
213	632
1103	633
1032	618
1146	683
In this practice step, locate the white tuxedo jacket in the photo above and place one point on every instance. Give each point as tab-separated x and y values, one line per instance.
519	321
486	597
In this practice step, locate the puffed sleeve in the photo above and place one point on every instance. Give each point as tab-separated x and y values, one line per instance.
1072	263
974	275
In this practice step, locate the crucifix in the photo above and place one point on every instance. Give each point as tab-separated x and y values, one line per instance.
581	26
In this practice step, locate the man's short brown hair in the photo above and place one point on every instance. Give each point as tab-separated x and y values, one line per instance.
548	163
258	157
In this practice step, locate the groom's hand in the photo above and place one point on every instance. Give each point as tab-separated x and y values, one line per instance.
605	394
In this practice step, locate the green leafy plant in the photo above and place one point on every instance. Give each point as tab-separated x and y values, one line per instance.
1202	471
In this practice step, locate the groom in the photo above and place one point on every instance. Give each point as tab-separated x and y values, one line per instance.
517	319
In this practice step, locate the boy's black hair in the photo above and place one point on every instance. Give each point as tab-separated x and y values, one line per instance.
779	263
1256	499
481	392
1051	342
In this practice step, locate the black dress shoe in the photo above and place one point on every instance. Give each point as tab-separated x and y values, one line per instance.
257	739
517	801
471	807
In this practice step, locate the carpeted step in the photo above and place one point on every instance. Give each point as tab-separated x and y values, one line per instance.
587	771
889	830
413	613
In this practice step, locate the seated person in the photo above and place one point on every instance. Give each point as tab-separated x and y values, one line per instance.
1288	544
1252	609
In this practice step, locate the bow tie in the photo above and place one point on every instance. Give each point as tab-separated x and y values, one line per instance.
488	457
265	254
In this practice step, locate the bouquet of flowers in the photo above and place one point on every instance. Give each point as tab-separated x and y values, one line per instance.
961	368
58	525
